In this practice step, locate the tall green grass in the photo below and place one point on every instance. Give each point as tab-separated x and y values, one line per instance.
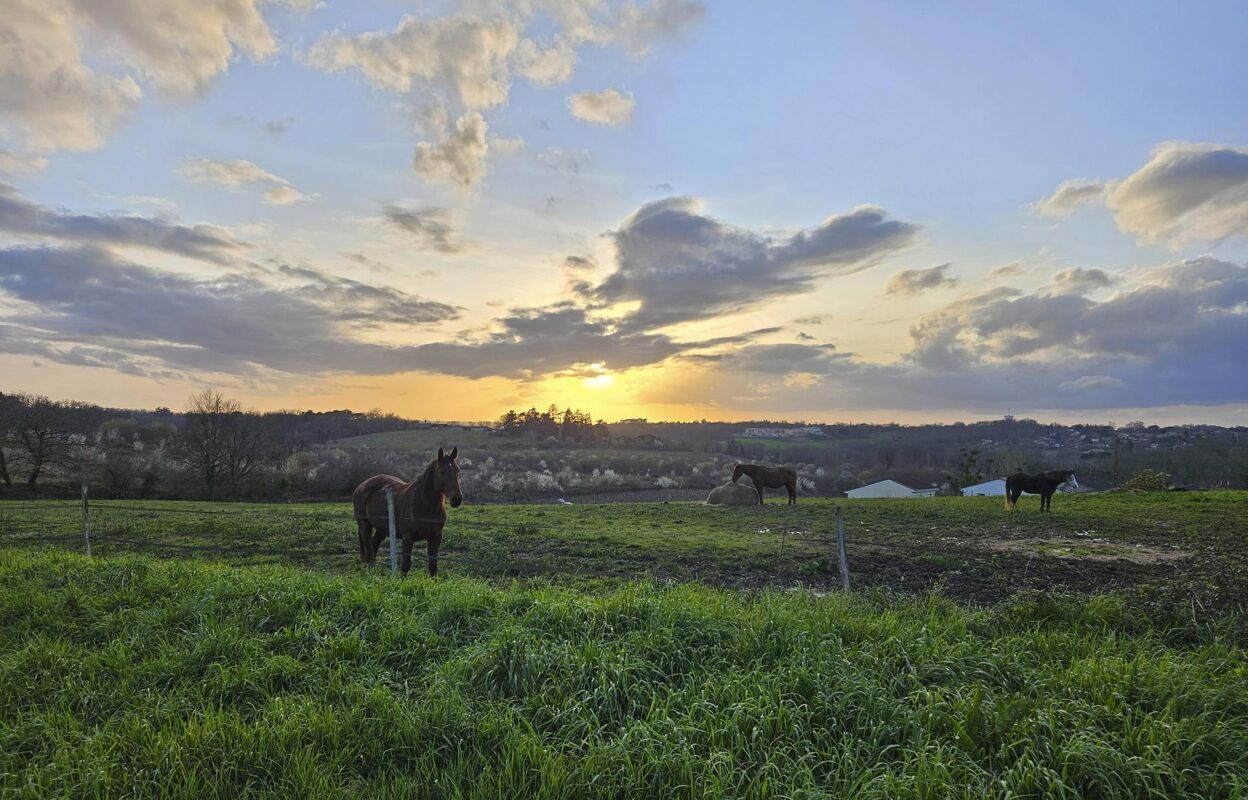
139	677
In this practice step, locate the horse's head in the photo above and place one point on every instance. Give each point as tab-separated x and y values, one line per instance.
737	472
446	477
1070	479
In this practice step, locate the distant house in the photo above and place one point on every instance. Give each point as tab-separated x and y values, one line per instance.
994	488
889	488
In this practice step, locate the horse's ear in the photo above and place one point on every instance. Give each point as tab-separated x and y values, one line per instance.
440	456
455	452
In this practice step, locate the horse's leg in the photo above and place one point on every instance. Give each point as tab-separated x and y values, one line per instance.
406	561
366	535
792	487
758	487
431	549
379	536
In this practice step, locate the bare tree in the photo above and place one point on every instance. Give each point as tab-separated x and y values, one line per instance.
204	435
45	434
10	411
243	443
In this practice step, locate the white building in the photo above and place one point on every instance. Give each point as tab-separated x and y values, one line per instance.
889	488
994	488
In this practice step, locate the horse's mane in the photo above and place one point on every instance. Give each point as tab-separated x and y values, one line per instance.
424	486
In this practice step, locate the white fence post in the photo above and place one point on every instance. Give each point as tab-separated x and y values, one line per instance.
840	549
86	519
394	546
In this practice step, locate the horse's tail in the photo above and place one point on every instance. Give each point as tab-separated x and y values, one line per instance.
1009	487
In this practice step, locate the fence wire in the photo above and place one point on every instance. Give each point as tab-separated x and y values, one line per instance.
331	533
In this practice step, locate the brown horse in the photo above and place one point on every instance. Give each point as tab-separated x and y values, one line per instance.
1043	484
419	509
766	477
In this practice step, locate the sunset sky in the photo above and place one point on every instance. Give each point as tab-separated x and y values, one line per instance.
665	208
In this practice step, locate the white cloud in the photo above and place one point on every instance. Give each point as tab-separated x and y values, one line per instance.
1186	192
609	107
547	66
240	172
1069	196
458	156
70	70
463	53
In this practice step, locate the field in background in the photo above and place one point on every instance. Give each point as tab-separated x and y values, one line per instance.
1186	550
422	439
182	679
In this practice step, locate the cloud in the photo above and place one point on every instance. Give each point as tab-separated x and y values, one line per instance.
47	92
20	164
26	219
1007	270
608	107
1086	383
680	265
1183	309
462	53
917	281
60	95
239	172
547	66
1078	280
429	226
1069	196
88	303
639	28
1186	192
556	159
457	157
1176	336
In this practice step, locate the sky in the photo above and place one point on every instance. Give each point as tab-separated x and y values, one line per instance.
670	209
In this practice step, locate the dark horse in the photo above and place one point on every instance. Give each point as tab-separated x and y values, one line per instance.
766	477
419	509
1044	484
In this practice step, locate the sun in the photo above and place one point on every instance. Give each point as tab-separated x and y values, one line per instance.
602	381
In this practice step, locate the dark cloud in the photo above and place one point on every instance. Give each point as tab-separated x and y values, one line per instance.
24	218
579	263
918	281
430	226
86	302
1176	339
682	265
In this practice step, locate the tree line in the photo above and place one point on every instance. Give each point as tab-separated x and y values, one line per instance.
569	424
214	448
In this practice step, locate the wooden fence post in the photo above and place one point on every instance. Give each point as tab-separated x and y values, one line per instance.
86	519
840	549
394	545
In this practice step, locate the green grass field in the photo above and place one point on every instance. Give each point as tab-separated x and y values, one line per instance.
142	677
643	650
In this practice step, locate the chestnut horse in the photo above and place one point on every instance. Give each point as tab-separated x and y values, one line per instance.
766	477
419	509
1044	484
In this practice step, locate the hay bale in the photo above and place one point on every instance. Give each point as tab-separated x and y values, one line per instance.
732	494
